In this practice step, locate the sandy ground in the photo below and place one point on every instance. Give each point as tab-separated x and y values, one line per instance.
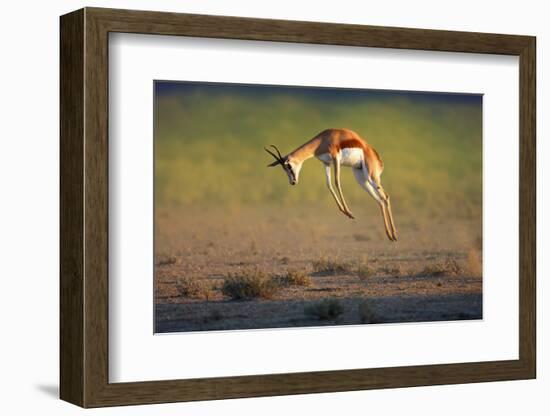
432	273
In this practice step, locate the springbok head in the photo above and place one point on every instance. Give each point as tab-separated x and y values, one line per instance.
291	168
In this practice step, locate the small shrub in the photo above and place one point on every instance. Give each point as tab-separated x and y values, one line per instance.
331	266
194	288
325	310
250	285
296	278
474	263
366	312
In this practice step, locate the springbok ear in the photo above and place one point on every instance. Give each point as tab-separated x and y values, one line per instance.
277	162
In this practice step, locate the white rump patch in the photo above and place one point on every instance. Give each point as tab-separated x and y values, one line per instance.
351	156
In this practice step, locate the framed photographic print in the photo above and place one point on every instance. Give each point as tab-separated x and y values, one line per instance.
255	207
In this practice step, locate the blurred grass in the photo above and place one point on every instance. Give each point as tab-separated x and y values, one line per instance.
209	149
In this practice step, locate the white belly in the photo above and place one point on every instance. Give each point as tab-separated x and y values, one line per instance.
325	157
351	156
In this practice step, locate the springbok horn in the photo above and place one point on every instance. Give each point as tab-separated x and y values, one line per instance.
279	153
278	159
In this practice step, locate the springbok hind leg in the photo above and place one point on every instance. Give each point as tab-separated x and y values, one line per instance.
386	198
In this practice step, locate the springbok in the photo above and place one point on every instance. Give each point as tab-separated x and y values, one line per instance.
341	147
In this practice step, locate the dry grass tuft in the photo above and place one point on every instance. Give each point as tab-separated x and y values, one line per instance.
364	270
474	263
194	288
366	312
331	266
325	310
295	278
250	284
395	271
449	267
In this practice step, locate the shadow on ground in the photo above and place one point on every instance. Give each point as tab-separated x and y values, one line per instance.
226	315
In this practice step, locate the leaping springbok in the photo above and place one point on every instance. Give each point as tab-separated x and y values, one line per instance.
342	147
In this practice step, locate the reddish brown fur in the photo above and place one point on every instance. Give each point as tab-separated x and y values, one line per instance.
332	141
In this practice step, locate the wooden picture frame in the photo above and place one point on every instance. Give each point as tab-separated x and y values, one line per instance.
84	207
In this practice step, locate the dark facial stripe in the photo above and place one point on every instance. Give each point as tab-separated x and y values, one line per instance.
291	172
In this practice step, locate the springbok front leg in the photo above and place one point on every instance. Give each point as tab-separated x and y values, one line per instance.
336	161
363	181
331	189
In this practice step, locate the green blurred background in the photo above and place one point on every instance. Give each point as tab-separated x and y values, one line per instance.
209	140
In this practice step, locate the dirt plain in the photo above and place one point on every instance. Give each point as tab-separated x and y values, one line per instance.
433	273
